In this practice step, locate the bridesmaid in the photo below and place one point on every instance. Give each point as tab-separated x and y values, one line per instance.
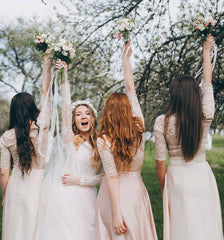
191	202
21	191
123	209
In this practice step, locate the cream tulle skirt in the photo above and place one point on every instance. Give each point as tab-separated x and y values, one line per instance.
135	208
66	213
191	203
21	205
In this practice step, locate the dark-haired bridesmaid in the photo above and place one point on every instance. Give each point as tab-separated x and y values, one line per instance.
21	190
191	203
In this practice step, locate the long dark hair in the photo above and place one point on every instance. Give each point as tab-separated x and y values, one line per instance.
23	110
185	103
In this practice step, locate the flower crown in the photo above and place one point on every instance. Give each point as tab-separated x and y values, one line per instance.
83	102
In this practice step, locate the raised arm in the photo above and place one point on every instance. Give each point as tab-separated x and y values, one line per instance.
66	103
47	71
129	82
44	116
207	66
208	103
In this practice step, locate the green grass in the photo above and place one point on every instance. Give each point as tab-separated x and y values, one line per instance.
215	158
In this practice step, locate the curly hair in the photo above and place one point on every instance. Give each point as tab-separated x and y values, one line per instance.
23	111
122	129
78	139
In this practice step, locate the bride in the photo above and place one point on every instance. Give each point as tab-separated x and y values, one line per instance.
67	207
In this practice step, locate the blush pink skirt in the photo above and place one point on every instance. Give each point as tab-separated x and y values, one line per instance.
135	208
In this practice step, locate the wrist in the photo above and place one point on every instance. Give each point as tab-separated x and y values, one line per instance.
116	212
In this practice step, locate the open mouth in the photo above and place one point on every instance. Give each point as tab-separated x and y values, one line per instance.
84	123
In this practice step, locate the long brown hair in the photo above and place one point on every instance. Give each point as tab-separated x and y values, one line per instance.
185	103
23	111
122	130
95	159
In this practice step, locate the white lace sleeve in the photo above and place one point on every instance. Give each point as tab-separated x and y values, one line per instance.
106	157
135	106
91	180
160	142
208	104
5	153
66	112
43	119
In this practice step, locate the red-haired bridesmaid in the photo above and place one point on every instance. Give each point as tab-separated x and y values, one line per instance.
123	207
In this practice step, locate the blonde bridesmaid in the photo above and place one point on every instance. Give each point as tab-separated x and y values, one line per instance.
191	202
123	208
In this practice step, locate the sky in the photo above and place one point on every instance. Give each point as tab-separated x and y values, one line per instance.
10	9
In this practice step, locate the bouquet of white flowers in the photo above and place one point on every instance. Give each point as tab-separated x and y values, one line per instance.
203	26
123	28
63	50
42	42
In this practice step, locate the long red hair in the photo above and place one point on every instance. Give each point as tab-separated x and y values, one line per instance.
123	130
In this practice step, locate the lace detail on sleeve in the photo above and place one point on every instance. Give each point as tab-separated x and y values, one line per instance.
45	112
66	112
160	142
91	180
136	109
208	104
5	153
106	158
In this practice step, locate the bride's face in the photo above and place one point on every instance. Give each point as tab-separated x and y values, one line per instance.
82	119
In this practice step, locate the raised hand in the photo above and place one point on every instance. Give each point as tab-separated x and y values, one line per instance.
126	51
60	64
208	44
69	180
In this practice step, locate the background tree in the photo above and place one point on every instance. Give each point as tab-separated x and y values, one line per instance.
164	45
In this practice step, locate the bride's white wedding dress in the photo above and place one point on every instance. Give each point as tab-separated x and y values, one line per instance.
68	212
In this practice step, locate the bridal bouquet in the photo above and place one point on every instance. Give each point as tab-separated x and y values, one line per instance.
203	26
63	50
42	42
123	28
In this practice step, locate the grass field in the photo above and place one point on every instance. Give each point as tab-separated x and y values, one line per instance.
215	158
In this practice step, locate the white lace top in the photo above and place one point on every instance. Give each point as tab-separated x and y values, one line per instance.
9	143
106	153
81	158
175	149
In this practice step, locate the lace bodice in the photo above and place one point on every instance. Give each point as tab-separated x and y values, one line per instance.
175	149
9	143
80	159
105	151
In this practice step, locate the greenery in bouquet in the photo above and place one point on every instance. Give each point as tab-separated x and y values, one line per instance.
123	28
42	42
203	26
